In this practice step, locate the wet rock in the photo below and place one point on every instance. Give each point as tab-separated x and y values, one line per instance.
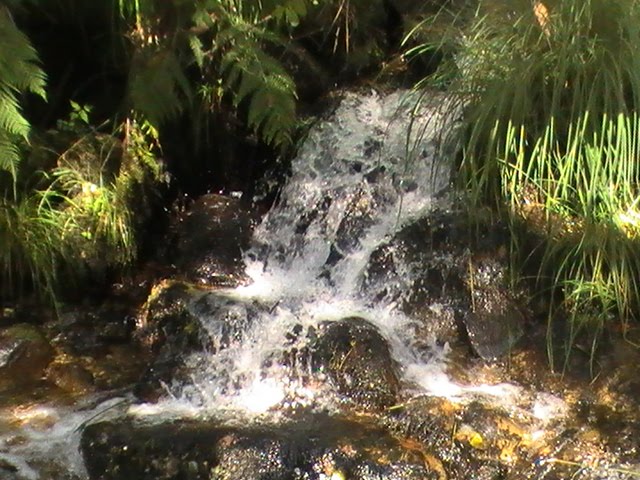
71	377
8	469
212	235
496	322
421	272
464	442
312	448
180	319
121	451
169	331
90	333
166	321
356	358
361	212
452	281
24	355
225	318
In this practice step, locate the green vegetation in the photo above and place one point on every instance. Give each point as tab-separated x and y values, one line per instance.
83	126
550	89
552	92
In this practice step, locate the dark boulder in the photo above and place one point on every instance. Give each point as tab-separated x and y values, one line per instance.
495	322
24	355
356	358
123	451
311	448
180	319
225	317
168	331
452	280
71	377
211	238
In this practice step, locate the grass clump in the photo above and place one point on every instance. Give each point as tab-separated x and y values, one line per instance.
552	91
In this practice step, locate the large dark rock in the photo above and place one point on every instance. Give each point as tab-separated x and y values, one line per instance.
24	355
225	317
357	360
211	237
312	448
180	319
169	331
452	280
495	322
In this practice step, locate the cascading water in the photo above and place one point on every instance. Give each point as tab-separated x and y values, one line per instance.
373	166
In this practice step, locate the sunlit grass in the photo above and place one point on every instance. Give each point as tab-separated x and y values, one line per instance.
552	92
95	216
578	189
31	245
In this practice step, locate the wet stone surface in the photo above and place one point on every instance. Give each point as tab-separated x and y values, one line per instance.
318	447
211	237
452	281
169	331
24	354
357	360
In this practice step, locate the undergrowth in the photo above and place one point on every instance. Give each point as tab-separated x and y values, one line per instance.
551	91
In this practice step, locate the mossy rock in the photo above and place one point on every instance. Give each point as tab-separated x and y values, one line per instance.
24	355
168	331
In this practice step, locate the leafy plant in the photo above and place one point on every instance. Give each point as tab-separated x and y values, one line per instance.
229	42
19	73
551	141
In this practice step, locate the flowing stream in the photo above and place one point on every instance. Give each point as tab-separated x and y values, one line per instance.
373	165
377	163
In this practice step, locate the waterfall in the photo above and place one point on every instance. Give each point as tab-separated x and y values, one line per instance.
369	167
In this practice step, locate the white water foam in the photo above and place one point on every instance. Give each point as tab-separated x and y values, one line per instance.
39	437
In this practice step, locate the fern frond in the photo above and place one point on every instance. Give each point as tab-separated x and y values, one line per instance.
197	50
290	12
157	85
251	74
19	73
11	120
19	70
9	156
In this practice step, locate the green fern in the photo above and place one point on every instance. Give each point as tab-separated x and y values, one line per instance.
231	43
252	74
244	33
19	73
158	87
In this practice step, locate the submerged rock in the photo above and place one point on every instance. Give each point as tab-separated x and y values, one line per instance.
357	360
24	355
312	448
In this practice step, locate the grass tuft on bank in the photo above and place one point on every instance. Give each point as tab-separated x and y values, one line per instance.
552	91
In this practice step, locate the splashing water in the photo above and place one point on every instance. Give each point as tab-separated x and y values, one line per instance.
377	163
